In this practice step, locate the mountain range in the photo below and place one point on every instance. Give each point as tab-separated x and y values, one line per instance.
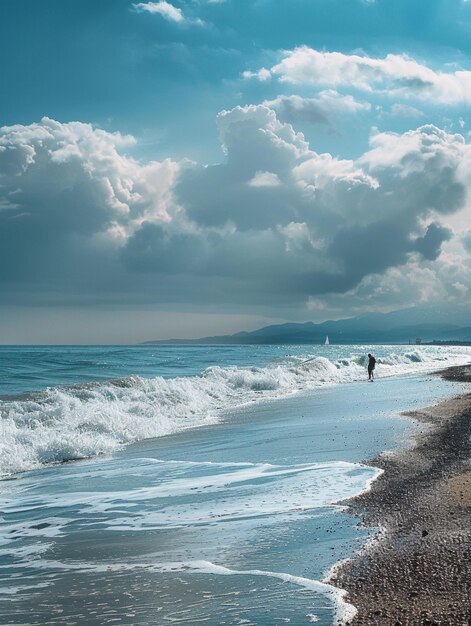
403	326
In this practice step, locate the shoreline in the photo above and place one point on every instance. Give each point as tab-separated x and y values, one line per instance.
417	571
126	513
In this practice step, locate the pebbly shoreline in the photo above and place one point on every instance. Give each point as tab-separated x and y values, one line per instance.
417	572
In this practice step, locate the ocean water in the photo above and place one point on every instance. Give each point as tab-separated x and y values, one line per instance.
210	480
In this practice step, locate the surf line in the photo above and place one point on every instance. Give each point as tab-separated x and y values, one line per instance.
344	612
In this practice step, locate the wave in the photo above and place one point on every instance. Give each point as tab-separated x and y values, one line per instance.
70	423
175	494
344	612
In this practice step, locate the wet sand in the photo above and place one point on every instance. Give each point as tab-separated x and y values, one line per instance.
417	572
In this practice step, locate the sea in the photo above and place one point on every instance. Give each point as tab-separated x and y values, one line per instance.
169	484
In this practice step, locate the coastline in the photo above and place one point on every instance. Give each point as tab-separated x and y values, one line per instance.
255	497
417	572
252	506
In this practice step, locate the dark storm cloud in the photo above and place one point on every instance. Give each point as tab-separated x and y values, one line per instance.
380	245
370	249
275	224
152	249
430	244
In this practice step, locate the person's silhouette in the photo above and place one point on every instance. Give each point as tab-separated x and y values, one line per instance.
371	366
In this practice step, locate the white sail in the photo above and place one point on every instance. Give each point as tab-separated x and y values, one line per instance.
326	342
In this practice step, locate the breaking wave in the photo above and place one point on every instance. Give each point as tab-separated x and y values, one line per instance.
69	423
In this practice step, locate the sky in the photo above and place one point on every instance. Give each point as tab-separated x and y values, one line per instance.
197	167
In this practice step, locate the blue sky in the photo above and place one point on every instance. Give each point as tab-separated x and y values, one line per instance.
329	128
164	81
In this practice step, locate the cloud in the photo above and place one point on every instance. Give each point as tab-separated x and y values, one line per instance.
329	222
318	110
264	179
273	225
430	244
71	197
418	151
163	8
404	110
442	285
263	74
168	11
466	239
394	75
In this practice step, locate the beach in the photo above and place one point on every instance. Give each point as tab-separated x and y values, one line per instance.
223	496
235	313
418	570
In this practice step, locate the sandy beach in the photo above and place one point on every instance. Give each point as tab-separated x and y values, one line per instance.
418	570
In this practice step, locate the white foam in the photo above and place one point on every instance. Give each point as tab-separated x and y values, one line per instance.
48	527
62	424
344	612
15	589
173	498
259	496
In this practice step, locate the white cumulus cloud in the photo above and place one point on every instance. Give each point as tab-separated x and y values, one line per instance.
275	223
394	75
264	179
163	8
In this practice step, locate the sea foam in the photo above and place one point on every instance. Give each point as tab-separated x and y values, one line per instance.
82	421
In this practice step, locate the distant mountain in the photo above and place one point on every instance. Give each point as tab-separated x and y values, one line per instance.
396	327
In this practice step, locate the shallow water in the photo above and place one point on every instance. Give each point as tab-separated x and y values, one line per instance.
232	522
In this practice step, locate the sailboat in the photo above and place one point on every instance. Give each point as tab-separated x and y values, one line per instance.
326	342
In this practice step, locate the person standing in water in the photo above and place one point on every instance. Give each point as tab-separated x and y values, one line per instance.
371	366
